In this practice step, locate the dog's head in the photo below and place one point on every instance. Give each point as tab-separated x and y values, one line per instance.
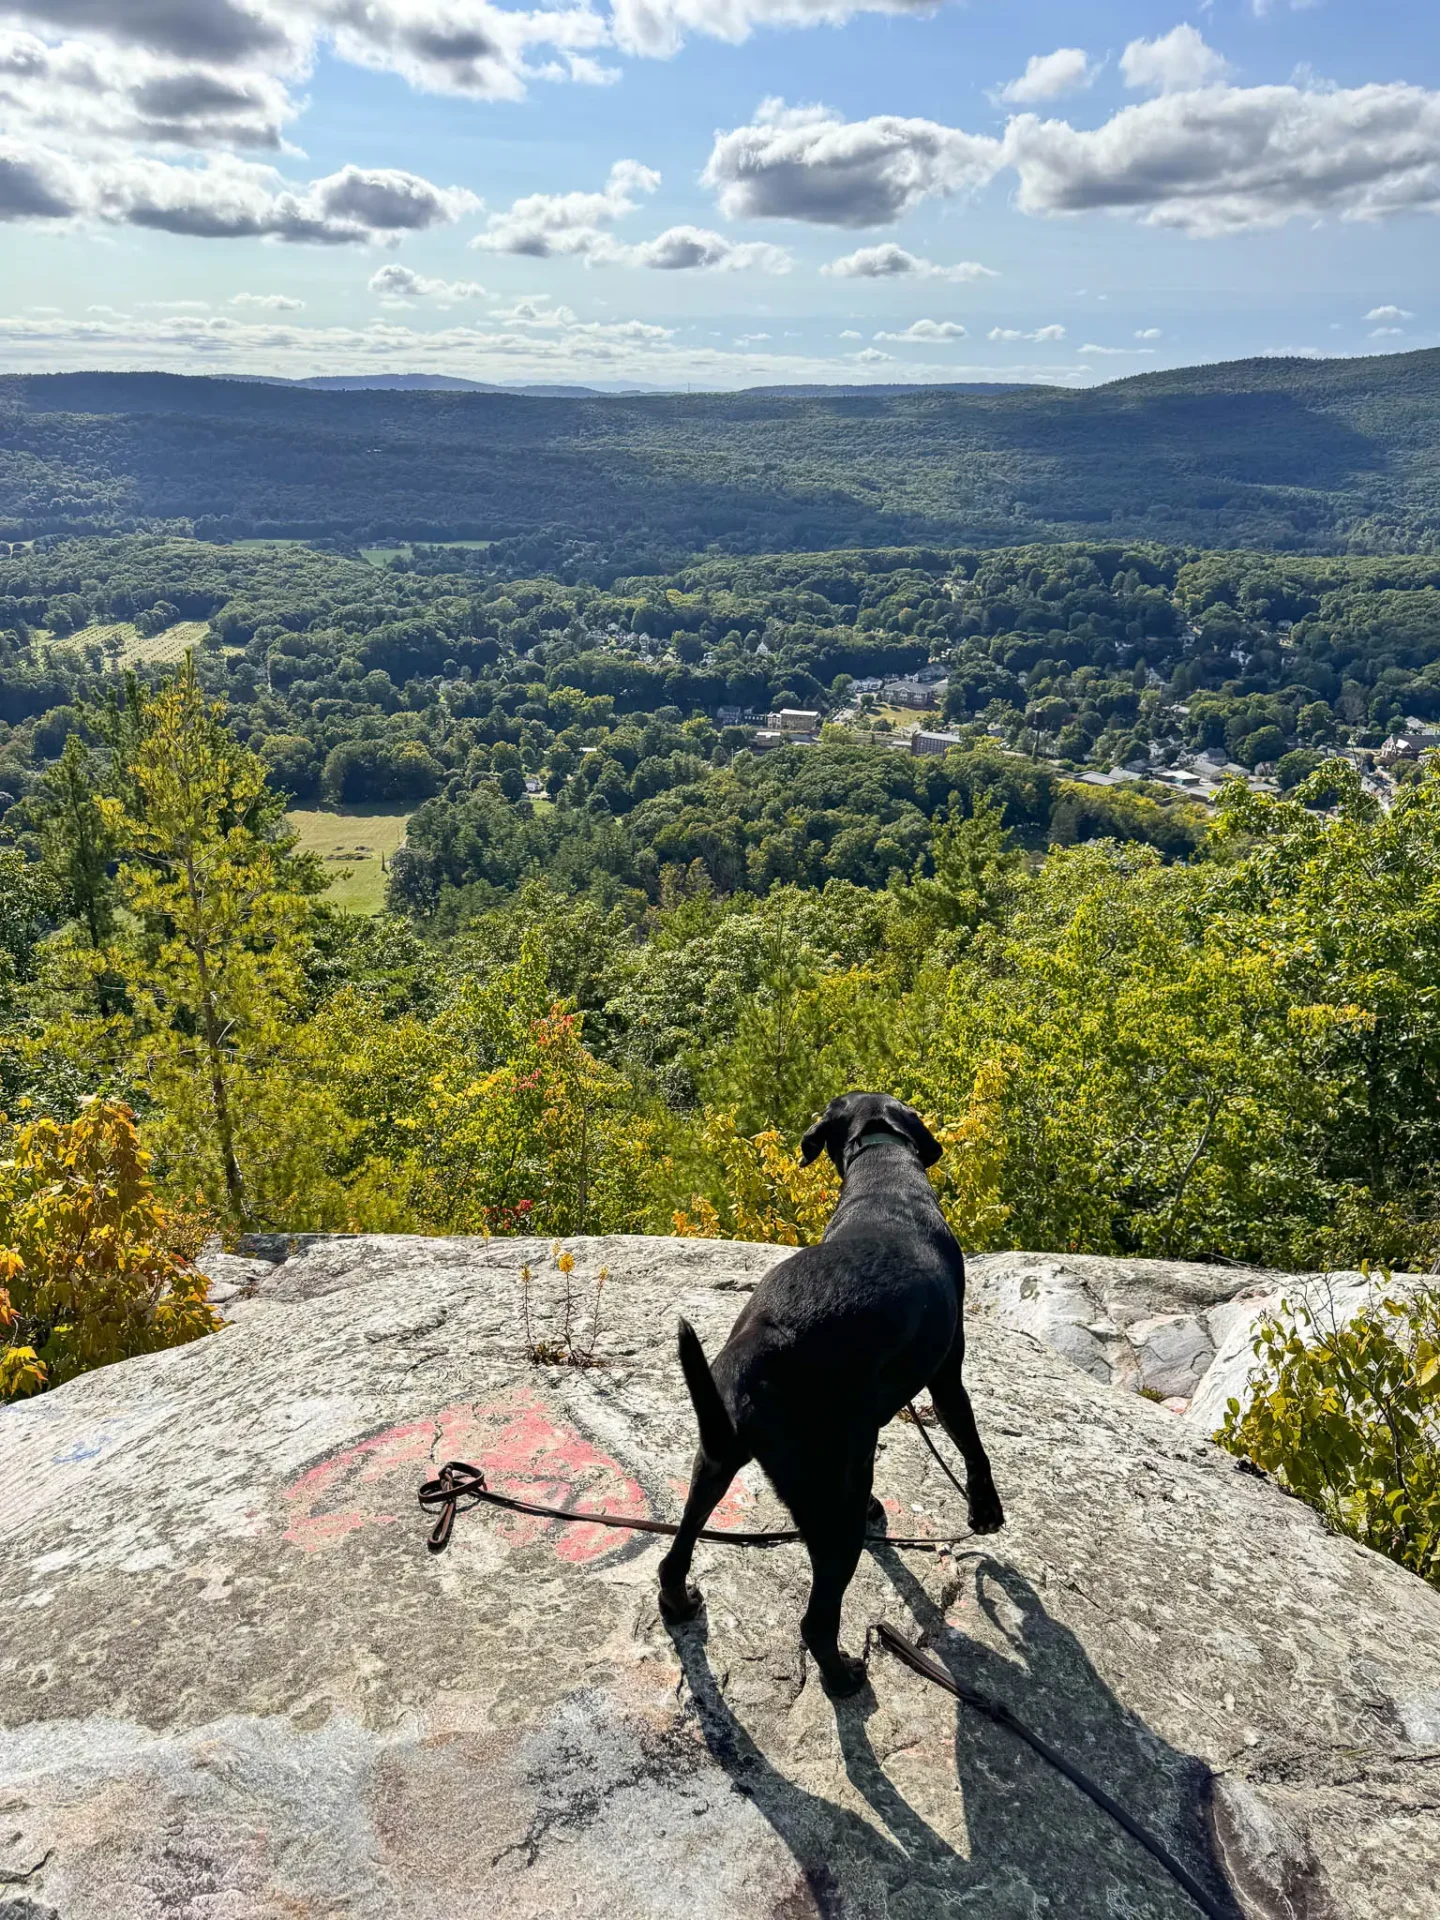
846	1122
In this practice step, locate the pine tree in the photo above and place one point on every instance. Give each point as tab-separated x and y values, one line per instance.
78	846
210	956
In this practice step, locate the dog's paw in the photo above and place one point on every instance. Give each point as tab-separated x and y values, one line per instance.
987	1516
843	1677
676	1607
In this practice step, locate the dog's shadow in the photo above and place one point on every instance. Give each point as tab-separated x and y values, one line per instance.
1034	1843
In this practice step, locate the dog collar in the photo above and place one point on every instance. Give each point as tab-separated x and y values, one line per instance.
879	1139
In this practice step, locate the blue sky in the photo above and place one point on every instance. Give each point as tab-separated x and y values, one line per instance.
714	193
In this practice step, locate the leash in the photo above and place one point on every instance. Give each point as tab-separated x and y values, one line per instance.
905	1650
460	1486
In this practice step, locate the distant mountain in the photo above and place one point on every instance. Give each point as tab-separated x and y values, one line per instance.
393	383
875	386
433	383
1333	455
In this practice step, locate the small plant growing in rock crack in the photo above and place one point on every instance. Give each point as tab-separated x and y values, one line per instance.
564	1349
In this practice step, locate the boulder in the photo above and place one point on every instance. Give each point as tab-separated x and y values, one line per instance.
1151	1325
234	1684
1179	1331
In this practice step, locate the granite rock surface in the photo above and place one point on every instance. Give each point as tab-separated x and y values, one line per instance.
235	1686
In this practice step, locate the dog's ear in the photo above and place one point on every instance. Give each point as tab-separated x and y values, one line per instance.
817	1138
828	1132
915	1131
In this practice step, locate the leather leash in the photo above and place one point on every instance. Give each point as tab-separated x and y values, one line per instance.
459	1486
905	1650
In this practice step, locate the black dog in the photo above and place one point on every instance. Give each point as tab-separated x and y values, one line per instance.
834	1341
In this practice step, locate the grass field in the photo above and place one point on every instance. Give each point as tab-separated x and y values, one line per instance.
381	556
353	842
901	720
166	649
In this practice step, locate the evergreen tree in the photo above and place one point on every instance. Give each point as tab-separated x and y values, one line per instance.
210	953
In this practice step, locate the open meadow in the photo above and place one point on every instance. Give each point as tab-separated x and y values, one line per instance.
356	844
165	649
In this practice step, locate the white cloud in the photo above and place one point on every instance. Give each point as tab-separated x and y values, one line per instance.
270	302
87	92
1048	75
544	224
1222	159
659	28
1015	333
222	73
1175	63
929	332
397	284
223	31
468	47
1386	333
848	334
806	163
475	47
1090	347
224	199
888	262
1389	313
1148	333
541	315
681	249
498	348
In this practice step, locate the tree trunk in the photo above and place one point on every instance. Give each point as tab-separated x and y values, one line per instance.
219	1093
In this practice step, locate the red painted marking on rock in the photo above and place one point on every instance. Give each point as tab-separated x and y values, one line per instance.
732	1510
524	1450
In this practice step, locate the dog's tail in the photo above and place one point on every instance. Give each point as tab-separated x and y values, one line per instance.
717	1431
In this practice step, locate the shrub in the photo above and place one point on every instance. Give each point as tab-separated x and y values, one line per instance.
1348	1418
91	1265
760	1190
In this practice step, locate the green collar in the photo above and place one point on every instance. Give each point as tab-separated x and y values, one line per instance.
879	1139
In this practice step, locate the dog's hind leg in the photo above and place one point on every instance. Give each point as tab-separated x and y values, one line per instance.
831	1513
957	1416
708	1485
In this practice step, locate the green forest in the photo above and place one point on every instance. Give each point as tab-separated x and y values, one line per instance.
626	955
1298	455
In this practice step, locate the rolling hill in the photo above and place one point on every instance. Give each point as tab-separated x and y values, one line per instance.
1337	455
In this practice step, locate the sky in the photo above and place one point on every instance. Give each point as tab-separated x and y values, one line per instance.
715	193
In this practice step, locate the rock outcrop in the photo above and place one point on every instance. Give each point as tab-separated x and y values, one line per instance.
1178	1330
234	1685
1151	1324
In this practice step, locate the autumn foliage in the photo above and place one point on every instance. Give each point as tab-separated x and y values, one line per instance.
90	1268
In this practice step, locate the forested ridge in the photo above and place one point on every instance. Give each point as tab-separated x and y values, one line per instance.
1290	454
